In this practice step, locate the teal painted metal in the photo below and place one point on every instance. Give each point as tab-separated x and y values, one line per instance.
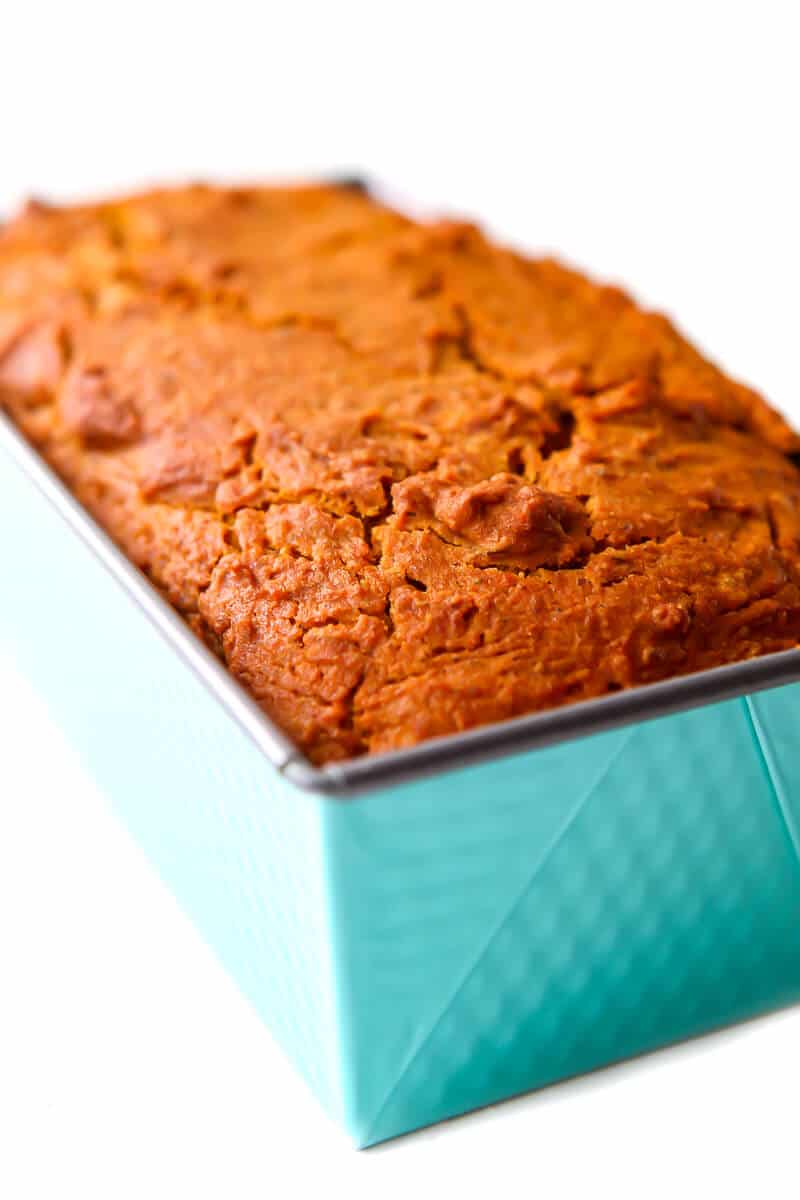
431	948
544	916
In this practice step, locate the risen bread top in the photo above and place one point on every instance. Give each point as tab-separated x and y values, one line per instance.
403	481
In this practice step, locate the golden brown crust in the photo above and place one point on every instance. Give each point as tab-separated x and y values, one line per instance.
402	480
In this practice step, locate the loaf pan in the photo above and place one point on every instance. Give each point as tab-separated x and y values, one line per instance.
430	930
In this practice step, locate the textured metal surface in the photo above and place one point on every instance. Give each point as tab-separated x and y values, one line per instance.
556	912
241	852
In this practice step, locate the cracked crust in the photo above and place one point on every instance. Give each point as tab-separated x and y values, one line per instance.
401	480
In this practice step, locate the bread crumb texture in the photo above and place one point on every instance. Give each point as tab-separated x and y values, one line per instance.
401	480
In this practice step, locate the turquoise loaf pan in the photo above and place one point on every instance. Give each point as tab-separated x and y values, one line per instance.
431	931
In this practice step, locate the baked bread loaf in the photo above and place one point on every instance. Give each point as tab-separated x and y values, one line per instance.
401	480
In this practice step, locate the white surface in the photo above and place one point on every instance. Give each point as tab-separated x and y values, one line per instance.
652	144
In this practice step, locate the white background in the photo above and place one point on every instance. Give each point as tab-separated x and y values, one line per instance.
653	144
